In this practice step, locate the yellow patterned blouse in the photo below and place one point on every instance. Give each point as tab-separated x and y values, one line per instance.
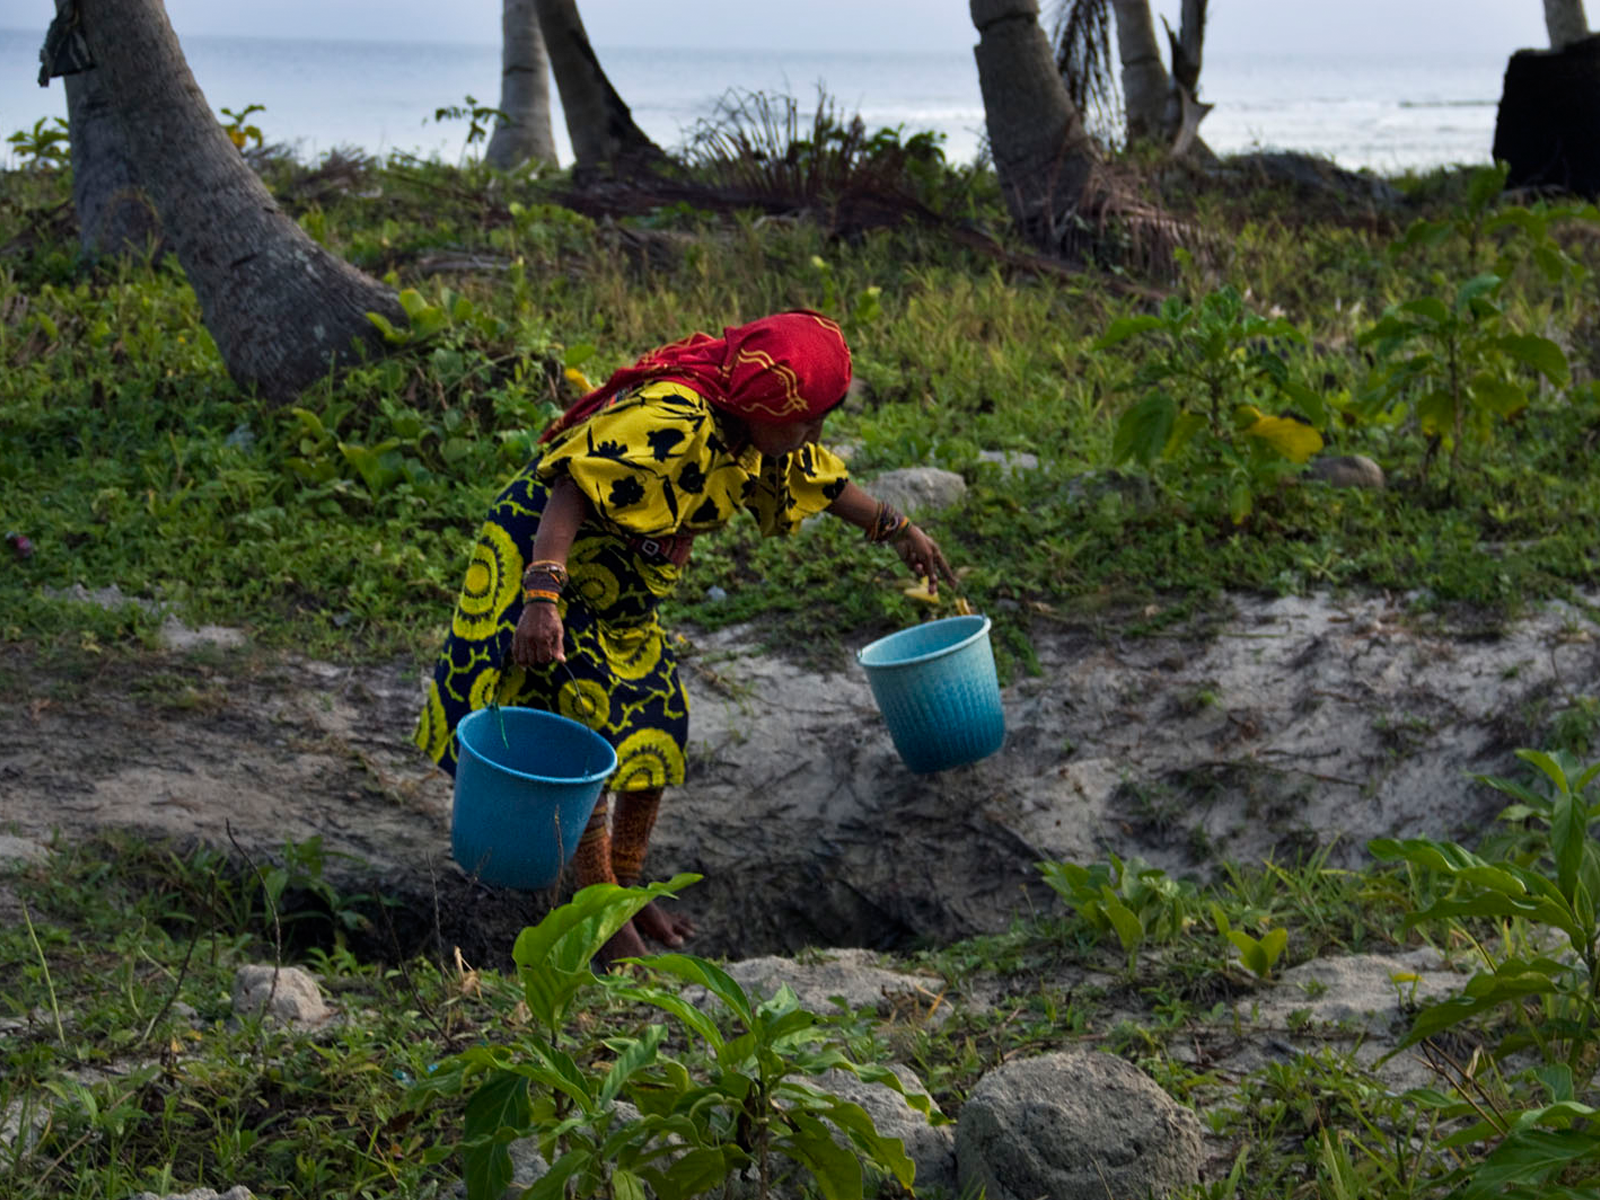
657	463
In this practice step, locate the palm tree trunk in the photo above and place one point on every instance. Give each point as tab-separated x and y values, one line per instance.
523	132
280	308
1042	153
604	136
1565	22
1144	80
114	213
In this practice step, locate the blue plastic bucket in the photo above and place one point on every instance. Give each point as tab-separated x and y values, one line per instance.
936	687
522	799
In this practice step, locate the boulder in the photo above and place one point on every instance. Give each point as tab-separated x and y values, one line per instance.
1075	1125
1010	461
919	489
287	993
852	976
1347	470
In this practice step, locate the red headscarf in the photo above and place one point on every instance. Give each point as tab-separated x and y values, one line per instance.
793	366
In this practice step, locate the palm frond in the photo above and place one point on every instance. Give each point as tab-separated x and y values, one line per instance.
1081	34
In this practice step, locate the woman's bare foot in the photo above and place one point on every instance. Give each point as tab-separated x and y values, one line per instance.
657	924
624	943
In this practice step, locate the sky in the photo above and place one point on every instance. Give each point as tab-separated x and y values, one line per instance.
1287	26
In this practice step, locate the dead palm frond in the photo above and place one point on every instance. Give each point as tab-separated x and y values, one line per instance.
761	144
1081	34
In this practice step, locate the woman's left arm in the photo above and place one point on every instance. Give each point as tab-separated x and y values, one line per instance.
881	523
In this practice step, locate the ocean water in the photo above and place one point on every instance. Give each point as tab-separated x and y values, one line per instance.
1385	113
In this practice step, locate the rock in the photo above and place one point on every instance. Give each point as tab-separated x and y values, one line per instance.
234	1193
1010	461
931	1147
919	489
175	635
15	851
851	975
1346	470
1074	1125
295	998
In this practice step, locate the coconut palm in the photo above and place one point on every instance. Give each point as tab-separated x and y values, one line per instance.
522	132
604	136
1160	107
1043	154
1565	22
280	308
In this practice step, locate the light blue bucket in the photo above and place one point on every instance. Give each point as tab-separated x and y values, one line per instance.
526	784
936	687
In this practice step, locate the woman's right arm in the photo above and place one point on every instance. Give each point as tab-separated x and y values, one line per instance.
540	634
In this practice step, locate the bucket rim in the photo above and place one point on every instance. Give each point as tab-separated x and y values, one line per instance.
982	631
465	747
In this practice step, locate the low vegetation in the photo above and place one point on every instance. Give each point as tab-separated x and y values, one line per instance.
1171	415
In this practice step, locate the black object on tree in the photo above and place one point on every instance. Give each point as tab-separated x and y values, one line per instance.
1547	130
281	309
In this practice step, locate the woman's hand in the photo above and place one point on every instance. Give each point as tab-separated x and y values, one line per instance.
540	636
922	554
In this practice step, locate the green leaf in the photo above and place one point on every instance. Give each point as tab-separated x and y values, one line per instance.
1429	308
687	1013
625	1185
1478	287
640	1052
1128	927
395	337
709	976
700	1170
1124	328
1541	354
1499	396
499	1104
1143	430
1528	1158
1486	185
553	956
837	1171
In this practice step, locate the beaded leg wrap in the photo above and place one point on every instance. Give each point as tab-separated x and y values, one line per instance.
630	836
592	862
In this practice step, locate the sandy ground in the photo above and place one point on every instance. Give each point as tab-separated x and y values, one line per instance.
1287	727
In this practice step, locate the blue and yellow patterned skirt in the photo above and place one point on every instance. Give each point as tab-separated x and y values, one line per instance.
620	678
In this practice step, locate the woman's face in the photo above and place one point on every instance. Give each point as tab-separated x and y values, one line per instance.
775	438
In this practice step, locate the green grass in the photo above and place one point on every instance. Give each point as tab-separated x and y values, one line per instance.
128	456
122	1051
340	526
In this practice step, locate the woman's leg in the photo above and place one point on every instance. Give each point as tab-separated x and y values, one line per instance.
592	864
630	839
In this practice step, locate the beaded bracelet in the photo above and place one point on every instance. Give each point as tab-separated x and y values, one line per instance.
539	596
547	566
887	524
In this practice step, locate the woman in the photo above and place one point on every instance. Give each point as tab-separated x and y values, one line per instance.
559	607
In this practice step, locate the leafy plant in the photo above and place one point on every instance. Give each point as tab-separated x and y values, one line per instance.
1545	1003
477	116
752	1106
1457	365
240	132
1137	902
1214	364
1261	954
42	148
